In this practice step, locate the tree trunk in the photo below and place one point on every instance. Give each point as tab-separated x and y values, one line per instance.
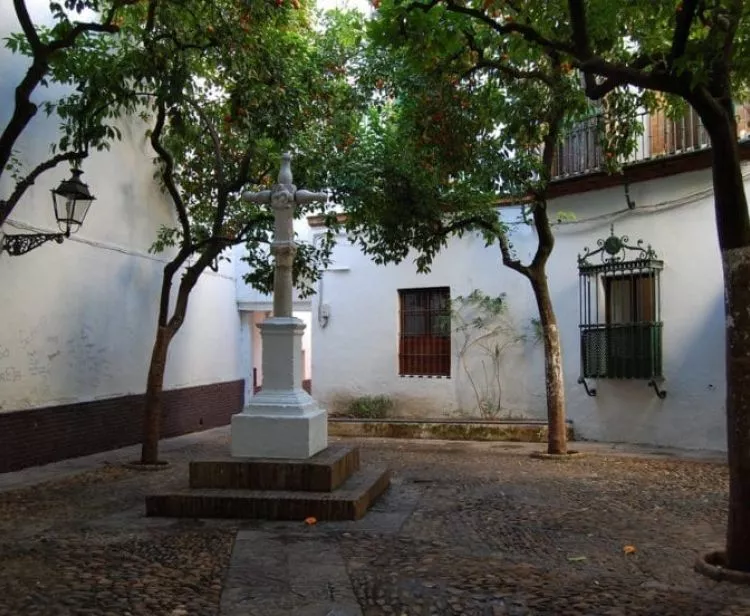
152	412
166	330
733	226
557	441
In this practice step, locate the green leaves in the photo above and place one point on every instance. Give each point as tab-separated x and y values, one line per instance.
236	88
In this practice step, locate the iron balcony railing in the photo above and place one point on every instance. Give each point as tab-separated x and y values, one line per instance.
580	151
621	351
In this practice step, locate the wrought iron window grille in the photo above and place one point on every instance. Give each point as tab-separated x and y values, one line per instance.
620	312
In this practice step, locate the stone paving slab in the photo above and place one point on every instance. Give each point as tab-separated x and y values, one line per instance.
272	576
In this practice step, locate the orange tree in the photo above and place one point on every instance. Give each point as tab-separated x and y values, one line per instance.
663	52
453	130
225	86
224	114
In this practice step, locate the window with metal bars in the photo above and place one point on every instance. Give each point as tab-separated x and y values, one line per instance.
620	307
424	332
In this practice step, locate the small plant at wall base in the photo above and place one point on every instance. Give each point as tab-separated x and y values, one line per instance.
484	332
369	407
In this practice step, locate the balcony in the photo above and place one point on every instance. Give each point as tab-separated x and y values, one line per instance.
580	152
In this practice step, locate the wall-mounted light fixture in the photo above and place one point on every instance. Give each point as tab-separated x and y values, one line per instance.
71	201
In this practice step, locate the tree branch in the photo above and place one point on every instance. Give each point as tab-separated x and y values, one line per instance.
244	170
81	27
27	26
618	74
69	39
494	65
539	211
189	280
216	141
25	109
512	72
528	32
507	256
23	185
222	189
170	269
151	16
683	21
579	27
167	173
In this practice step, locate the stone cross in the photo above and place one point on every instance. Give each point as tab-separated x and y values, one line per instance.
283	198
282	420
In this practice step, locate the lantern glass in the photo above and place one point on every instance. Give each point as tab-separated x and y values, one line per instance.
71	200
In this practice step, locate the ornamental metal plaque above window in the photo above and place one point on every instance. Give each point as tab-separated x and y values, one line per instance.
619	287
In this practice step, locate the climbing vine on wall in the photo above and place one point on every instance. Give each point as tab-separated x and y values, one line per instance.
484	333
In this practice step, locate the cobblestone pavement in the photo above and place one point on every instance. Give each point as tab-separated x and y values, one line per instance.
494	534
465	529
80	546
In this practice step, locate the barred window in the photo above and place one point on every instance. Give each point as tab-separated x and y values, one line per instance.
425	332
621	337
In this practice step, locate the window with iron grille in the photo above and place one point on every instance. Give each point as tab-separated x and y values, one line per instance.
620	308
424	332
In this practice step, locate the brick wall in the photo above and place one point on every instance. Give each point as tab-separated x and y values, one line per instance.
40	436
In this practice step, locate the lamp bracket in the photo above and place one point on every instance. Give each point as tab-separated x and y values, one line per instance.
21	243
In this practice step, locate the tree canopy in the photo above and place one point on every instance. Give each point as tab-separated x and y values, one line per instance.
631	56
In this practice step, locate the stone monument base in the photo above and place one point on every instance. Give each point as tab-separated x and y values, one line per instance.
327	486
291	434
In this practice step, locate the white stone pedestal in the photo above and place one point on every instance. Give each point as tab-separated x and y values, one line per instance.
282	420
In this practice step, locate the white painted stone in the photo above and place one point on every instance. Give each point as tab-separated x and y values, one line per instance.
296	436
282	420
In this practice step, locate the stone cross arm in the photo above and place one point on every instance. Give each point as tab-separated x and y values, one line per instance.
301	197
264	196
306	196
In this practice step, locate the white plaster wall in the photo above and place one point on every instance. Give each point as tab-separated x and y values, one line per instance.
79	319
306	318
356	354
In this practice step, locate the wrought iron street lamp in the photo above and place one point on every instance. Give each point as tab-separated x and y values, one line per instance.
71	201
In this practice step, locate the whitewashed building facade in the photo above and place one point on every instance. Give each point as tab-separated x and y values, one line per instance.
365	314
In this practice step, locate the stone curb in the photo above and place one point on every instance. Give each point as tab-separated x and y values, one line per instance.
514	431
559	457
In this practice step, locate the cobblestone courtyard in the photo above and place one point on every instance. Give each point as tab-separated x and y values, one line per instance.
464	529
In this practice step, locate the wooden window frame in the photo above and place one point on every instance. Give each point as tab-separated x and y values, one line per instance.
425	353
637	286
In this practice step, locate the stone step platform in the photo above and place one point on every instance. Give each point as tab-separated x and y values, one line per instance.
323	472
349	502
